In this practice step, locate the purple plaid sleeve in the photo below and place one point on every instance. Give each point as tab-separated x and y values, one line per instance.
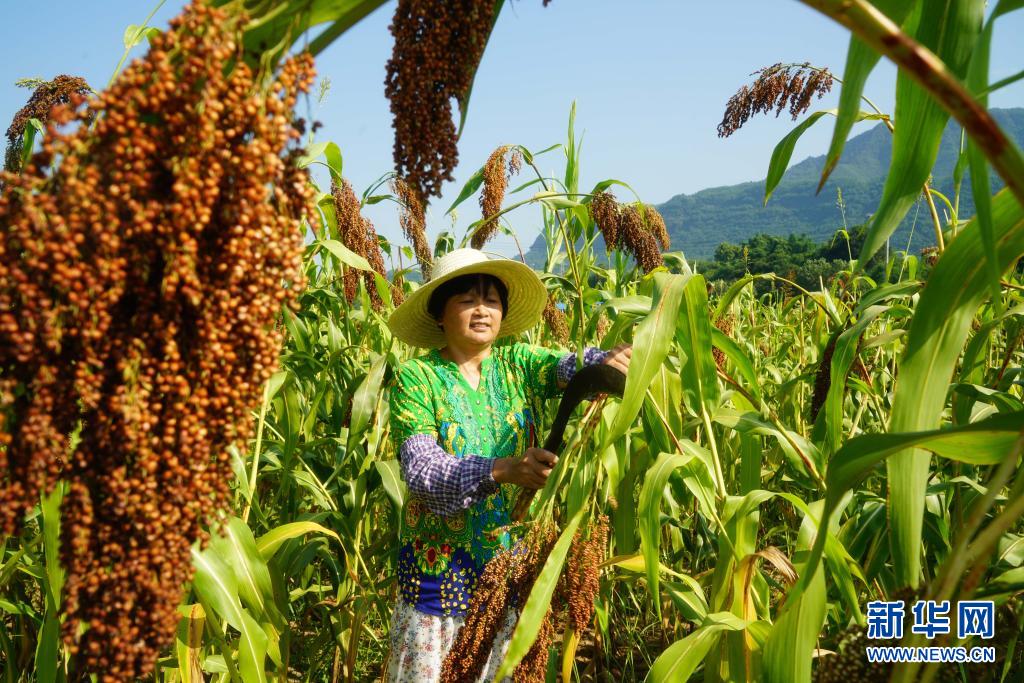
567	366
446	484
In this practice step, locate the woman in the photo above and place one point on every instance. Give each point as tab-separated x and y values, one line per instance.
464	420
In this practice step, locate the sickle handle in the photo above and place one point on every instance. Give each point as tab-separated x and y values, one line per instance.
593	379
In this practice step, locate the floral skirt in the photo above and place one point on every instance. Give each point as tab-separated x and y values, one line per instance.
420	642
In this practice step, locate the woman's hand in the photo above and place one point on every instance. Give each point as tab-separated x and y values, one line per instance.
530	471
619	357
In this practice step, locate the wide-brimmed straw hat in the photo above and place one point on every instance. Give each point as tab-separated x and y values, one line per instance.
527	296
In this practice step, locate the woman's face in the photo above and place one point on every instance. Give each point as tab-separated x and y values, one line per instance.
471	319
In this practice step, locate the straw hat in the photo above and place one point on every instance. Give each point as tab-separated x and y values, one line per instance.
527	297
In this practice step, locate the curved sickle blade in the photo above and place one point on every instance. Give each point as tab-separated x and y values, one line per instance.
593	379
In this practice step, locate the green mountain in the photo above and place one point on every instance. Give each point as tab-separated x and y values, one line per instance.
699	222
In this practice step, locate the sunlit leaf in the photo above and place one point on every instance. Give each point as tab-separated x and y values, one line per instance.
950	29
860	62
783	151
681	658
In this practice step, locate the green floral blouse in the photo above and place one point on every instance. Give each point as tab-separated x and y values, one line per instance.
441	557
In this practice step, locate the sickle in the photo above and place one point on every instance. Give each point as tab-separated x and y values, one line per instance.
593	379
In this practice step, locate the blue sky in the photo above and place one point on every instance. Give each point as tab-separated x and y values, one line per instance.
650	78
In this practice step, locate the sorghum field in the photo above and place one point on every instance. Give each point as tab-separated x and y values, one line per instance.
196	477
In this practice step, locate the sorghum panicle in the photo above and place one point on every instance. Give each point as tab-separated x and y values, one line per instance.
576	590
398	290
505	583
823	376
656	226
144	265
493	194
438	45
357	233
726	325
604	211
637	239
583	573
556	321
636	228
534	665
483	619
44	98
413	219
776	87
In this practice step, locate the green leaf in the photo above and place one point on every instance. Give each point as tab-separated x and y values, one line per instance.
529	183
783	151
1002	586
1003	401
376	199
313	153
650	517
297	331
269	542
860	62
740	359
942	320
700	378
974	362
345	255
633	304
555	201
572	154
540	599
1005	7
134	34
332	154
651	343
802	454
255	587
364	401
885	293
734	290
289	420
529	156
189	642
468	190
32	131
281	24
681	658
274	384
217	587
48	656
690	601
238	548
698	477
981	443
950	30
603	185
346	15
789	650
981	188
390	476
843	355
463	99
50	509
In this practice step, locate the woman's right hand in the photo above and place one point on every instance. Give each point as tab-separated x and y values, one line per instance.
530	471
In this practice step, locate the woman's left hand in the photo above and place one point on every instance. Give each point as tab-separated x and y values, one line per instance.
619	357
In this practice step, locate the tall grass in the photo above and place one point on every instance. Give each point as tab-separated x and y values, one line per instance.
748	530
